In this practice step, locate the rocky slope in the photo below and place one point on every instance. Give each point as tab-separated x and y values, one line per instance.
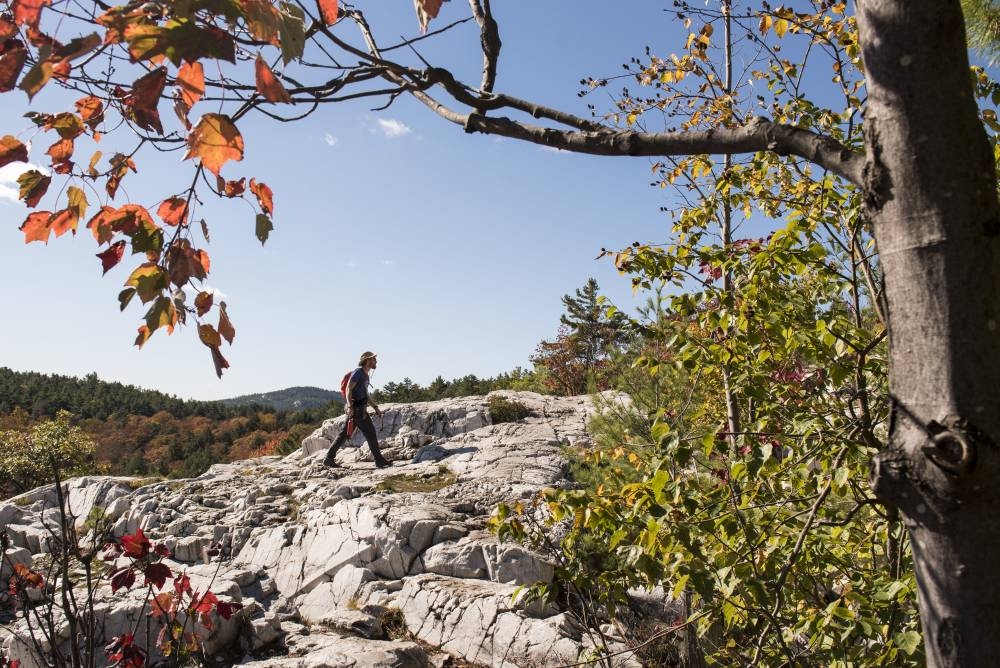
353	566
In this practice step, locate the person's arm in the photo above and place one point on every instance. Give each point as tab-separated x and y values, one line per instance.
377	410
350	396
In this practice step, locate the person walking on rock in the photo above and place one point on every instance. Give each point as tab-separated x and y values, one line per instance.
356	408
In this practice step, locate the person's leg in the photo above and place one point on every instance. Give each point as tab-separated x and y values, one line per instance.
331	454
367	427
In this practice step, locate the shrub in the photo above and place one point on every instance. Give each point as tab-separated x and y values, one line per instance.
27	454
502	409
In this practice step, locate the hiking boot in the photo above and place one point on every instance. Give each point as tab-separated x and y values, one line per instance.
331	464
382	464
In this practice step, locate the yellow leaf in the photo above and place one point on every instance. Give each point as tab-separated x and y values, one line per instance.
781	27
216	141
148	280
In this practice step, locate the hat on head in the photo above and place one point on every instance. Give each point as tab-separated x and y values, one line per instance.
367	355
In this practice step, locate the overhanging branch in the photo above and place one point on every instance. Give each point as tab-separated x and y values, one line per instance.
758	135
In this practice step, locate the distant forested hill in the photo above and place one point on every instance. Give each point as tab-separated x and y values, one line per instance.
42	395
290	399
148	432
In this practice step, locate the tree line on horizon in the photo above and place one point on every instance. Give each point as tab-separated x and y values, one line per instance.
96	426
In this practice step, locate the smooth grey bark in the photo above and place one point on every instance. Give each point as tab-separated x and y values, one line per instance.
930	190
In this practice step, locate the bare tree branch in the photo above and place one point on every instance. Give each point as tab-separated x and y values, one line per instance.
759	134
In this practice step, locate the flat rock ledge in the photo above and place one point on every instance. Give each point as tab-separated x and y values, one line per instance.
351	566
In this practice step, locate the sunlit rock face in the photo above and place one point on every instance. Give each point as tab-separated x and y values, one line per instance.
350	566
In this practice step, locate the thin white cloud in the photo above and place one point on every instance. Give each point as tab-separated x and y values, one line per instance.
350	265
392	128
9	188
330	139
218	295
388	263
552	149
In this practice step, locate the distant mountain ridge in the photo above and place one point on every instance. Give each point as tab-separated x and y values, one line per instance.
289	399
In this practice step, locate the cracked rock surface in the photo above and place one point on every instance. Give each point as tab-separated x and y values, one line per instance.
355	566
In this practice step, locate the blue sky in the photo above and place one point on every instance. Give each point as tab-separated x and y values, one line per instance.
394	231
446	253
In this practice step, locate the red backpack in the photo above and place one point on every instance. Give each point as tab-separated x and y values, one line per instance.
344	382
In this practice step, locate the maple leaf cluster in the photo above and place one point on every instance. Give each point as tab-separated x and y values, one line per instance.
173	606
167	47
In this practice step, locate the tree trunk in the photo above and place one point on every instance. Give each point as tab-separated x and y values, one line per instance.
930	190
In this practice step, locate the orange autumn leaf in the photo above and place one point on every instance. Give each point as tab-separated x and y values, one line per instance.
63	221
264	196
36	227
28	11
7	28
91	110
67	219
268	84
12	58
191	82
141	104
329	11
226	328
210	337
173	211
120	165
62	69
143	335
101	224
215	141
426	10
203	302
11	150
220	363
61	152
231	188
131	218
184	262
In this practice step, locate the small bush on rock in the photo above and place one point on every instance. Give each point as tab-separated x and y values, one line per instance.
502	409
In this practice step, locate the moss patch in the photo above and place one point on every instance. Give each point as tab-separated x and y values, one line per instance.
425	482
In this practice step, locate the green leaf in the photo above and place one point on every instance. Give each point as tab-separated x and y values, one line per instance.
908	641
292	32
125	296
161	314
147	239
149	281
264	227
39	75
679	587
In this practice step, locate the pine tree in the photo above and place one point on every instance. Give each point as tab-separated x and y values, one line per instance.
592	332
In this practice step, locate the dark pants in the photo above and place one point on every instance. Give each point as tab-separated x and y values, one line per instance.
362	421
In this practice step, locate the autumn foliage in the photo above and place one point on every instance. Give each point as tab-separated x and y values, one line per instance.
183	615
134	61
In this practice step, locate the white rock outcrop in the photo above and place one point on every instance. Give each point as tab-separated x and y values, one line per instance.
354	566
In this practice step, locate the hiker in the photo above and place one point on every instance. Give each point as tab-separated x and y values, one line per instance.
356	401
